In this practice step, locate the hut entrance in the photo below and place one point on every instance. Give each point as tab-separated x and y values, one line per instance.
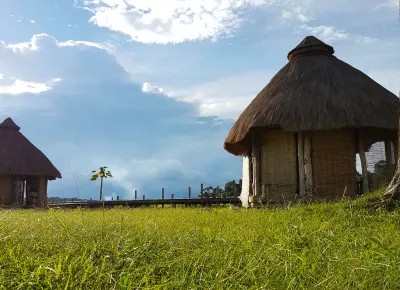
18	187
380	163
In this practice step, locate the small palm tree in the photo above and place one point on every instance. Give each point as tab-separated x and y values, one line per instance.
102	173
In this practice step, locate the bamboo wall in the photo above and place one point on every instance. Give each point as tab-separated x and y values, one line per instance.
334	163
42	199
6	198
278	166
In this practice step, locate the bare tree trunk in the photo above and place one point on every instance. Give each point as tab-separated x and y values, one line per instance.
101	188
393	190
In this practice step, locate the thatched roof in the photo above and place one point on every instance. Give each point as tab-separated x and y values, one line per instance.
19	156
315	91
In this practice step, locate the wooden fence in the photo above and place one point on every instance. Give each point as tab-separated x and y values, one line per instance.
190	201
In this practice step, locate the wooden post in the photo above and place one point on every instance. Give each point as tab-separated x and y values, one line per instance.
189	192
363	163
162	196
389	160
201	190
300	158
135	194
256	154
172	204
309	182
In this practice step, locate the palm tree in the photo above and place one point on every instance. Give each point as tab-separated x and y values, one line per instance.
102	173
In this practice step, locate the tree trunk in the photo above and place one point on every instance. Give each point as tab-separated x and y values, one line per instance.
393	190
101	188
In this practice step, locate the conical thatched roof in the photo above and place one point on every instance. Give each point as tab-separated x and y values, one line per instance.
315	91
19	156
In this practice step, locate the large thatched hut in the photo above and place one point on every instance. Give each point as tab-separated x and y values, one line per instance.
24	169
301	134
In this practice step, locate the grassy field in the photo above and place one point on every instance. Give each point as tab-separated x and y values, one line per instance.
321	246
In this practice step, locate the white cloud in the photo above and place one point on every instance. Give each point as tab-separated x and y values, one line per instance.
326	33
32	21
22	87
293	12
148	88
170	21
225	98
1	76
286	15
43	39
128	177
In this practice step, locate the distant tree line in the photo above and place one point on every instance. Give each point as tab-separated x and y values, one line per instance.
231	188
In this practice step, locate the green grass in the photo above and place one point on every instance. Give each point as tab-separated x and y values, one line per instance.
322	246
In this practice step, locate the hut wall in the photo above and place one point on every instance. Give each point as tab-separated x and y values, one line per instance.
278	166
334	163
6	197
42	198
244	195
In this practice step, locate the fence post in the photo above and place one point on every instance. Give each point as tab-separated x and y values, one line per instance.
172	197
162	196
135	194
190	192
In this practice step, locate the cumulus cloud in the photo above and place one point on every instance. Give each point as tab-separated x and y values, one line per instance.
224	98
45	40
32	21
21	87
140	173
172	21
34	60
148	88
326	33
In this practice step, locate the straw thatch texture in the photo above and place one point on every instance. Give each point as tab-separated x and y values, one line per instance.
334	159
19	156
278	164
315	91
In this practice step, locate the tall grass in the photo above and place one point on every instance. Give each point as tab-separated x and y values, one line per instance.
321	246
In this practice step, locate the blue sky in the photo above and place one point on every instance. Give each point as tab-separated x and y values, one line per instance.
150	88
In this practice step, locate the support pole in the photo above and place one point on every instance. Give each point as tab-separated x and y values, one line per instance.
162	196
256	154
389	161
363	163
309	181
301	168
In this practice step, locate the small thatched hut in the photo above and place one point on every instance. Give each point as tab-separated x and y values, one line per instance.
301	133
24	169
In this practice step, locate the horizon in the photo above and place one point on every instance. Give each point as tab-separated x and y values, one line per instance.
151	89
